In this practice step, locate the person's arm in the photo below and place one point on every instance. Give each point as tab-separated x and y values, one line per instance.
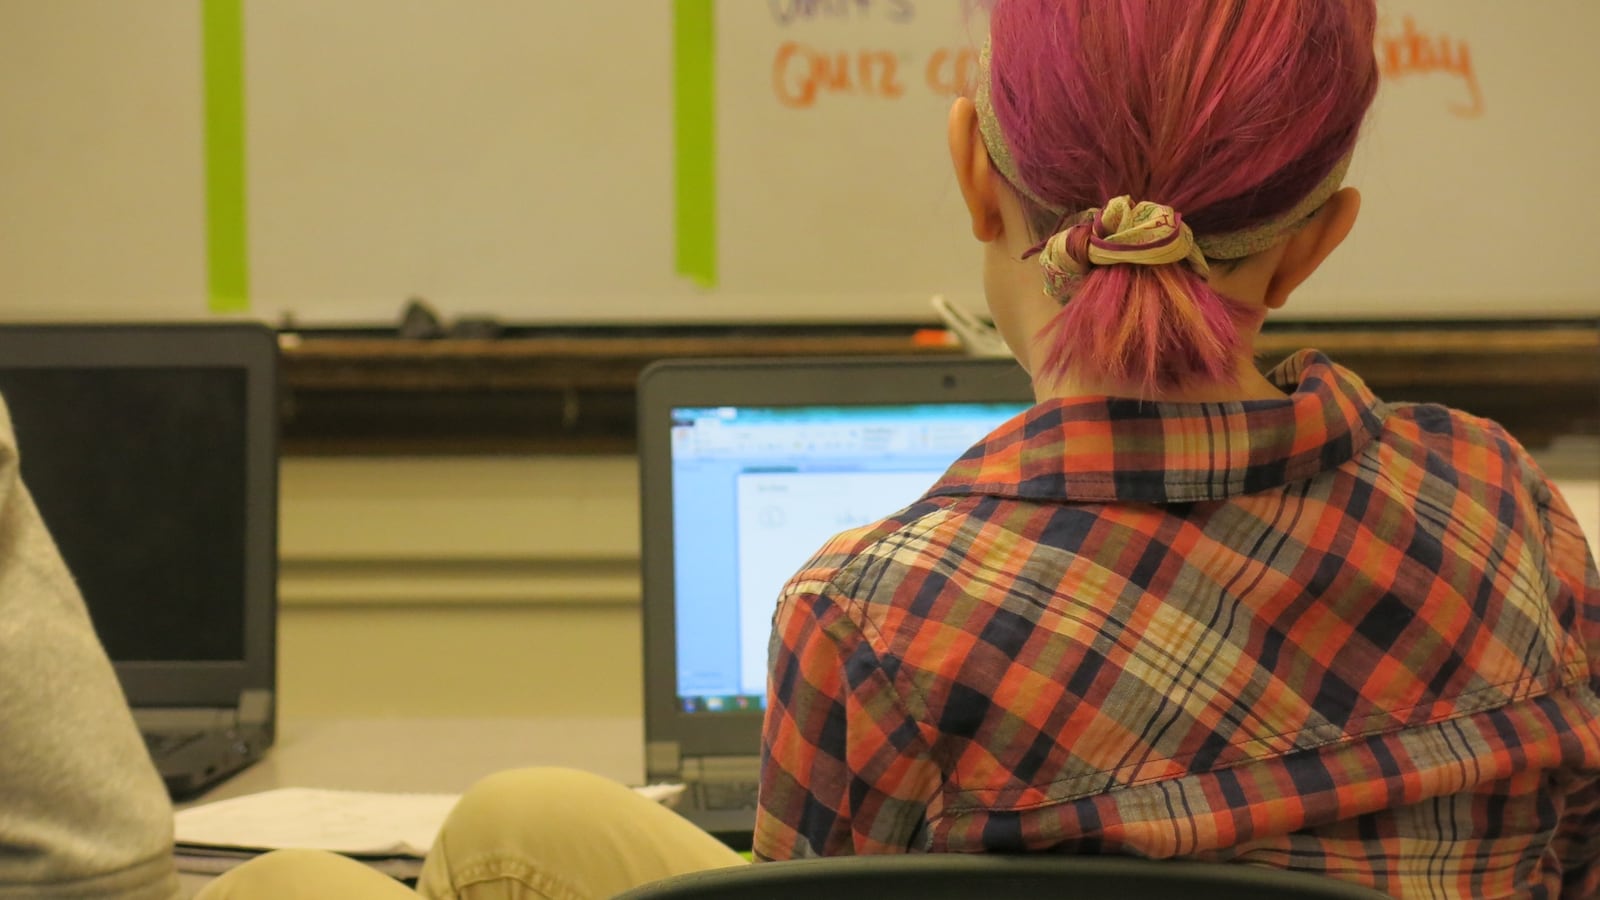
1577	843
1577	838
845	769
82	811
1569	557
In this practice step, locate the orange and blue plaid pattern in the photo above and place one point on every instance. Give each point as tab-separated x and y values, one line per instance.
1323	633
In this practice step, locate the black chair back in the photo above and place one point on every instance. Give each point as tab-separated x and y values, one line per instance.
947	876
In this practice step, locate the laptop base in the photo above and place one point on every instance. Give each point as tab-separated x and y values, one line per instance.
195	749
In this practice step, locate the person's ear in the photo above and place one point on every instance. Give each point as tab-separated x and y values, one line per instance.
1314	242
975	173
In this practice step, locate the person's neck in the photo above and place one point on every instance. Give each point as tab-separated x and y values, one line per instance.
1247	384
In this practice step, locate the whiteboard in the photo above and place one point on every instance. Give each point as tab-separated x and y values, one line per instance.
515	158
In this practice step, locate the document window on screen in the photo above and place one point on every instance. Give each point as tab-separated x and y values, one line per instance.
758	491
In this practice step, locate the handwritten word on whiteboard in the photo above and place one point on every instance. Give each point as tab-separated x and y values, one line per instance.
804	73
1407	50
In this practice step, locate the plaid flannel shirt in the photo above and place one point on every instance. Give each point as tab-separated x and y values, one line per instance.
1323	633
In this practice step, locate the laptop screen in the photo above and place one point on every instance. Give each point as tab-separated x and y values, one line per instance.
757	490
140	475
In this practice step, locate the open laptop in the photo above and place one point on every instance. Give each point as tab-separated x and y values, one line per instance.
151	452
746	469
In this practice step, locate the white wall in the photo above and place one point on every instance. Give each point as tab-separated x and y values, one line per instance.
479	587
473	587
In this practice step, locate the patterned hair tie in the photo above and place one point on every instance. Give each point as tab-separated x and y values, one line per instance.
1123	232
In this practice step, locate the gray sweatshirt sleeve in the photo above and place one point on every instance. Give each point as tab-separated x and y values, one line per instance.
82	811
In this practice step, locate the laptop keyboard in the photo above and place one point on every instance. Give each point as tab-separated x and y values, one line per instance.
163	743
726	794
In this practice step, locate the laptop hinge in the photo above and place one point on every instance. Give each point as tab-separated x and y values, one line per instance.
661	760
255	707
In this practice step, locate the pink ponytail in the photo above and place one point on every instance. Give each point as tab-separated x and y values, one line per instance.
1229	111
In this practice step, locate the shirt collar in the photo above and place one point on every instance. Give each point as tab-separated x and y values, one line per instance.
1106	449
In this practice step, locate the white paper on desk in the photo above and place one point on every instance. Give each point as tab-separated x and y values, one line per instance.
665	794
359	823
356	823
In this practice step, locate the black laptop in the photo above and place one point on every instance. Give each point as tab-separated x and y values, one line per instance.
151	452
746	469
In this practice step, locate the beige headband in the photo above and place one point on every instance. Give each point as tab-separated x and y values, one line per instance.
1229	245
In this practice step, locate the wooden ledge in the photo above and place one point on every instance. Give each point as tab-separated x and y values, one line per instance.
571	390
599	362
1499	356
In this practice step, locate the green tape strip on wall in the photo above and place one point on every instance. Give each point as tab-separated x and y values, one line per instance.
695	119
227	249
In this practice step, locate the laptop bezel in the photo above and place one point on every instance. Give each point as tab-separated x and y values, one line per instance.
671	384
252	348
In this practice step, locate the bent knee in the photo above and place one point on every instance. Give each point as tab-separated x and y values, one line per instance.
293	873
538	788
519	799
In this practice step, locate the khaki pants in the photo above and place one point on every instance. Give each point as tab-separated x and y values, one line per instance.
532	833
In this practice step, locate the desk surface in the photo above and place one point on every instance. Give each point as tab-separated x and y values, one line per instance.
437	755
433	755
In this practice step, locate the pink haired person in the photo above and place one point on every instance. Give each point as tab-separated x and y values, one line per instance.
1179	608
